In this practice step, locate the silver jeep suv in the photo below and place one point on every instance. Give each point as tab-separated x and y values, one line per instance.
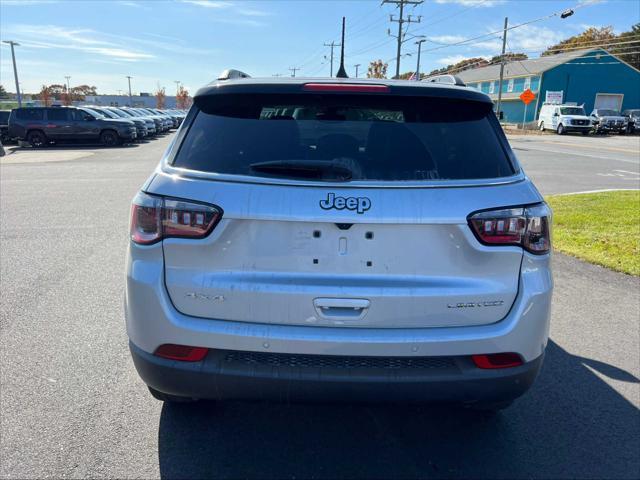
339	239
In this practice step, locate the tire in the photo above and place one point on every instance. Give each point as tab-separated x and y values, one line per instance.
541	126
109	138
165	397
560	130
37	139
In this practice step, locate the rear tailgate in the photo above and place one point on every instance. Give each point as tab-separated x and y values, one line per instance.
410	260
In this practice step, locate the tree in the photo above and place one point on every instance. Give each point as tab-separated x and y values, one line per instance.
80	92
604	38
466	64
183	101
377	69
591	37
45	96
509	57
3	92
57	91
161	97
630	50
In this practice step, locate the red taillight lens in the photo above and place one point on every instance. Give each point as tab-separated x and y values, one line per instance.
529	227
154	218
182	353
497	360
345	87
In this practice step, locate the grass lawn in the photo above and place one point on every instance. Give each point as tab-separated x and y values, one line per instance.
601	228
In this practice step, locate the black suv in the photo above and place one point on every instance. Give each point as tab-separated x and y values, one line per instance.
4	125
43	125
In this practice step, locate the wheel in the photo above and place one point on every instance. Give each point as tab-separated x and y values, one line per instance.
109	138
37	139
541	127
585	132
165	397
560	130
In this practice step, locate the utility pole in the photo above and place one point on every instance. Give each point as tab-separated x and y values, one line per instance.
15	71
419	43
401	20
504	45
130	98
332	45
357	65
68	88
293	70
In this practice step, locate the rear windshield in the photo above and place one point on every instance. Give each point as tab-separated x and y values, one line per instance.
342	137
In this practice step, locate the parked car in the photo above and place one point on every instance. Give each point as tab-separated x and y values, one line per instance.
4	125
162	124
633	119
141	126
157	122
168	122
366	250
563	119
41	126
606	120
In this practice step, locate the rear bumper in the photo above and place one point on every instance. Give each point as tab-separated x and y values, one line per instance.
225	374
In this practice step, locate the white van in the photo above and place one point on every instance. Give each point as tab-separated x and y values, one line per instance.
564	118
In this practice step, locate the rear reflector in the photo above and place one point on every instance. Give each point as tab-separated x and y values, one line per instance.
182	353
497	360
344	87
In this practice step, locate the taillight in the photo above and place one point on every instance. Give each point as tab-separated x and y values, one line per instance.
497	360
183	353
154	218
528	227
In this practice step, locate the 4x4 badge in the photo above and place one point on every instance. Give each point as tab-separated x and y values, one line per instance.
359	204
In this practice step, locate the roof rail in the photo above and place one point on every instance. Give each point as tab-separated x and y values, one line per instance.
230	74
450	79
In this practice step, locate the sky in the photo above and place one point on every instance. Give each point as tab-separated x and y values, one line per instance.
160	42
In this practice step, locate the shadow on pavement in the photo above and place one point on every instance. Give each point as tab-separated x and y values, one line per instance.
571	424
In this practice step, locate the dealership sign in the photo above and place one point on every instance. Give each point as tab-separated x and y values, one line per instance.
554	97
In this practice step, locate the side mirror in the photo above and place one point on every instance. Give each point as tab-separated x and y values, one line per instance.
556	114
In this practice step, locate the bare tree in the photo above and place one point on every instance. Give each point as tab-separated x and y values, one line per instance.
377	69
161	97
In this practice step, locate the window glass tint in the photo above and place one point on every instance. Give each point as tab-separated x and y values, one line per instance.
57	114
611	113
372	137
4	117
572	111
30	113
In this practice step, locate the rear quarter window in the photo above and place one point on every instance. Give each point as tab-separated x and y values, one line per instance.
390	138
30	114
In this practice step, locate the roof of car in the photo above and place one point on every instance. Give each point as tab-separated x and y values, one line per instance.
295	85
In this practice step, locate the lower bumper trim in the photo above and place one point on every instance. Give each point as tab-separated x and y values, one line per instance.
226	374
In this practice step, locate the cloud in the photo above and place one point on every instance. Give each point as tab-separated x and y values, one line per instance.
474	3
446	39
232	8
451	60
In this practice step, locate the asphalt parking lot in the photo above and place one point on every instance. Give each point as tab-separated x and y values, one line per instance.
71	404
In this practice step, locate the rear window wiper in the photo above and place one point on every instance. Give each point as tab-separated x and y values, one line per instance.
313	169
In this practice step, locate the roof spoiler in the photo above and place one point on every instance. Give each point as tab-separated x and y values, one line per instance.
449	79
231	74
